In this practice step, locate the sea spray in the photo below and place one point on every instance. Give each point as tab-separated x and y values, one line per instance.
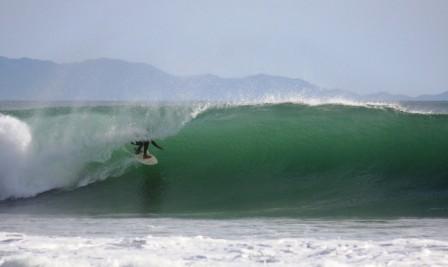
15	139
73	146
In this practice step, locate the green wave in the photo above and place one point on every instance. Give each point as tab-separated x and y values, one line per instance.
278	160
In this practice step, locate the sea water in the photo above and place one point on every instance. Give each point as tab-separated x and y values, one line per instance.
238	184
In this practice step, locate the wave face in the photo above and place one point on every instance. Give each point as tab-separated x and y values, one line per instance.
249	160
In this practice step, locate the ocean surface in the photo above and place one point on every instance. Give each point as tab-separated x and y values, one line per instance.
275	183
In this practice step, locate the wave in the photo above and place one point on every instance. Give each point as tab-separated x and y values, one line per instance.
275	158
67	140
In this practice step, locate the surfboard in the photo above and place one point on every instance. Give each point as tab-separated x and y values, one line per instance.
150	161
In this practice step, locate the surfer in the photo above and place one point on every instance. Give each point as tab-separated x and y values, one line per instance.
145	145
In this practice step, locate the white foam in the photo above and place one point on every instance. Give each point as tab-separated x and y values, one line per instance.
15	139
24	250
84	241
14	133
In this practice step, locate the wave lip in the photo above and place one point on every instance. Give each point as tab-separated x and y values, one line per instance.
412	107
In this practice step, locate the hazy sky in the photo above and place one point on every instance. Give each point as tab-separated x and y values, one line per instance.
399	46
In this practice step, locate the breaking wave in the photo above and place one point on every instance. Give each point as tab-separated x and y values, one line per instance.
276	157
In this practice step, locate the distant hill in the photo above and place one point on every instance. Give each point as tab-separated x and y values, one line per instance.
383	96
439	97
109	79
101	79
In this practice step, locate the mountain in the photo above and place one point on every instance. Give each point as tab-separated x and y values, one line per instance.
439	97
110	79
384	96
93	79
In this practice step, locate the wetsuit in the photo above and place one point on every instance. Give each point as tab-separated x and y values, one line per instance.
145	145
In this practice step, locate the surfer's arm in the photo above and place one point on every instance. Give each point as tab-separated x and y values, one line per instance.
136	143
156	145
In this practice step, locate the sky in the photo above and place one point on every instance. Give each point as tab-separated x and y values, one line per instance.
397	46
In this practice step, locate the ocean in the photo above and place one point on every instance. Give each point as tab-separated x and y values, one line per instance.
275	183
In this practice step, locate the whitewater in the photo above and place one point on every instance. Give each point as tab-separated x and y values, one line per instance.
30	241
273	181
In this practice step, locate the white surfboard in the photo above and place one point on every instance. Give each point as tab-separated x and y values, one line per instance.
149	161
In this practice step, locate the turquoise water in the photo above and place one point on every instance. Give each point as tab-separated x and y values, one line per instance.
284	159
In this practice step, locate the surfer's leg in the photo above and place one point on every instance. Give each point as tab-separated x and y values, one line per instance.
139	147
145	150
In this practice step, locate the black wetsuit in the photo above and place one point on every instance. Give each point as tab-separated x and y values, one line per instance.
145	145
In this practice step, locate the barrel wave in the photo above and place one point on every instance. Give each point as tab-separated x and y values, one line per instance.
281	159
